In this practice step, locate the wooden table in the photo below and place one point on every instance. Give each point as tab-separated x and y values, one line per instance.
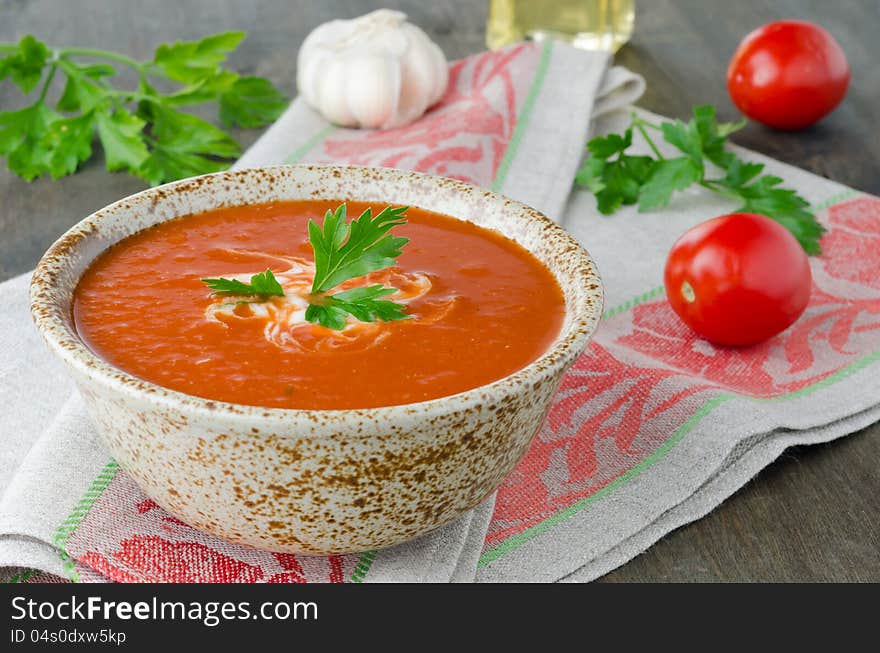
812	516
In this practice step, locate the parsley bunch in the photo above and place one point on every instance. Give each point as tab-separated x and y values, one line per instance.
617	178
343	251
142	130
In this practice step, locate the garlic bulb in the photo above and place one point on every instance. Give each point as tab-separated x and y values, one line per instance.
373	71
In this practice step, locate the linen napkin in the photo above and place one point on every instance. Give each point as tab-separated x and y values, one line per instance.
654	427
67	510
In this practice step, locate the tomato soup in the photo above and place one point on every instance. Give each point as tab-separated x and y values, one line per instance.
480	308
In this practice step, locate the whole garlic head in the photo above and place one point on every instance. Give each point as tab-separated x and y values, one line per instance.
374	71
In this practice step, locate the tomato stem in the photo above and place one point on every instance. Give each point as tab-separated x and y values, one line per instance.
687	291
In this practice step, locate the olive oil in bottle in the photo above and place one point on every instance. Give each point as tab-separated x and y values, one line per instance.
588	24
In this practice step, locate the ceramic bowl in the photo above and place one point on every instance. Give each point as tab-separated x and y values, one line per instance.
315	481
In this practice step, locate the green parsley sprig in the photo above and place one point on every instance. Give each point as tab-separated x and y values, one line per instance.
617	178
141	130
263	284
363	303
343	251
346	251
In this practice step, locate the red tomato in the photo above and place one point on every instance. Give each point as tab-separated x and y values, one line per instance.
738	279
788	74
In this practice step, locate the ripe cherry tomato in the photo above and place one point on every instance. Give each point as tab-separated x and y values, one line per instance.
738	279
788	74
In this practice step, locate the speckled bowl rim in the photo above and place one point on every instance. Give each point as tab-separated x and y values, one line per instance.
48	304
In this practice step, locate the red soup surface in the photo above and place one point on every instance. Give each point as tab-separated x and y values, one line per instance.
481	307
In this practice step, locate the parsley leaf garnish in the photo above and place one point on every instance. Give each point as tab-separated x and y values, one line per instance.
263	284
617	178
142	130
363	303
343	251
